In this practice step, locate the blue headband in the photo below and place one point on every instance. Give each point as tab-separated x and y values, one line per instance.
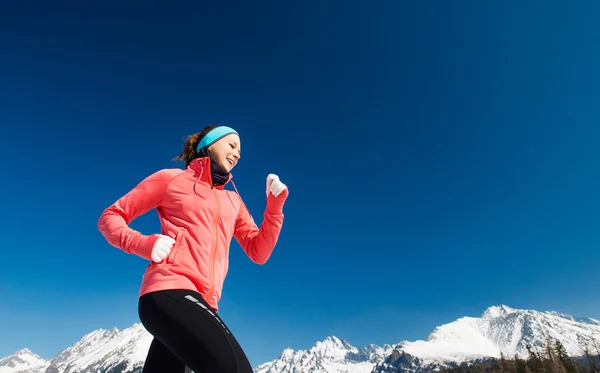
214	135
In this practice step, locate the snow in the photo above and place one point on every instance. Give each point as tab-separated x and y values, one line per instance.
458	341
511	333
497	311
332	347
23	361
331	355
106	349
500	329
99	350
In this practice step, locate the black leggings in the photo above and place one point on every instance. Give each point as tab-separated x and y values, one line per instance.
187	332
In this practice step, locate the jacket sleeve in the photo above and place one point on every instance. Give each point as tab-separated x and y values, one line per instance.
260	243
114	220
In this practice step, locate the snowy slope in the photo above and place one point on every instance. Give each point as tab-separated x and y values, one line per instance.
500	329
23	361
513	329
331	355
105	351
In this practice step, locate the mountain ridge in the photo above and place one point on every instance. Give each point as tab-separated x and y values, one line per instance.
498	330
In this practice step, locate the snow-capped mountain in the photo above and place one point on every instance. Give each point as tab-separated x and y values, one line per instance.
507	330
500	329
23	361
105	351
330	355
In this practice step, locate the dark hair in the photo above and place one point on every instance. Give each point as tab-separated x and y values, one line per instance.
188	152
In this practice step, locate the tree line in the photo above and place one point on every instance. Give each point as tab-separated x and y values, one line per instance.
553	359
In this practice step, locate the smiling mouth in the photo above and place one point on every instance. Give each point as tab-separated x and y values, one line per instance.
230	162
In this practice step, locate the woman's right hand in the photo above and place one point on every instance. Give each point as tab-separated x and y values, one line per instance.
162	248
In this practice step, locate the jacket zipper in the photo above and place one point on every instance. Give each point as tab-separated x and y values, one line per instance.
214	246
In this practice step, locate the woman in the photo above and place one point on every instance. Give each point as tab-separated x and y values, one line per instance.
188	262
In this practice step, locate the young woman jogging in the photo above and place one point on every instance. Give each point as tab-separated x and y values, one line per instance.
188	261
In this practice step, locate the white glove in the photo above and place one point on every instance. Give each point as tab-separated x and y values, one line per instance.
274	185
162	248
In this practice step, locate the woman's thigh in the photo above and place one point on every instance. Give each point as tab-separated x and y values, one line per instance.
192	331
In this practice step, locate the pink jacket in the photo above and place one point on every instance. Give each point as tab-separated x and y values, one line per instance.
201	218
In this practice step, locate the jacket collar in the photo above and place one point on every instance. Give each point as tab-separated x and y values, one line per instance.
201	167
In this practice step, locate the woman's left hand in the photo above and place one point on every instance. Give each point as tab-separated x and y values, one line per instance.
274	185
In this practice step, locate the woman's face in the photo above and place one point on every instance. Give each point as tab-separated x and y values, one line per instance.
226	151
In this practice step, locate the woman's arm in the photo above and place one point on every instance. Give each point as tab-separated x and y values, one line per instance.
259	243
114	220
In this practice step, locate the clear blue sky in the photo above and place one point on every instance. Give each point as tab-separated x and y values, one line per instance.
441	158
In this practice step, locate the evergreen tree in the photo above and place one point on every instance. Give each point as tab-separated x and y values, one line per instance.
534	361
495	368
520	365
591	363
506	366
551	360
564	358
597	351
